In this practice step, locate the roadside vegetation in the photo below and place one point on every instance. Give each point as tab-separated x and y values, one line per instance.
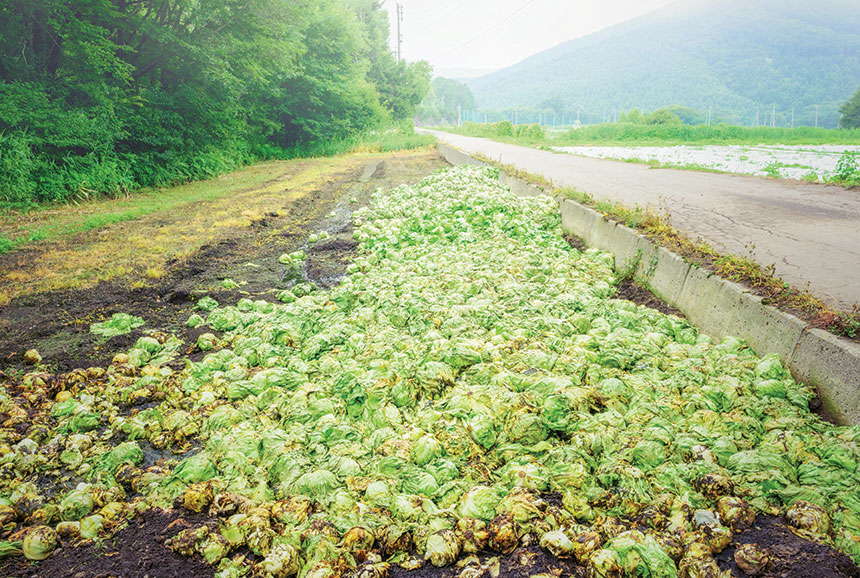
104	98
138	235
32	223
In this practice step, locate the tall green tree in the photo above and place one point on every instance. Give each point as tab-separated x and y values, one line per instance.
445	98
101	96
850	112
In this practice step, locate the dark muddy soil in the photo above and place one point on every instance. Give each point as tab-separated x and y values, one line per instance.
57	323
791	556
631	290
137	551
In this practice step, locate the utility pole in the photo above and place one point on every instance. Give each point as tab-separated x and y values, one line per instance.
709	116
816	116
459	115
773	118
792	117
399	35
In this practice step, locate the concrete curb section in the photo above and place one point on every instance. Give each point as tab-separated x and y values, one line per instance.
717	307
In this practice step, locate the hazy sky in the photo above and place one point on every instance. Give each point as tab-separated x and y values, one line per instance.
499	33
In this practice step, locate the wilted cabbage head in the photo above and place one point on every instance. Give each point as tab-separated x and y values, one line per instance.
503	534
557	543
39	542
521	504
91	526
736	513
8	516
358	538
479	502
585	544
482	429
807	516
214	548
473	535
374	570
76	505
714	486
752	558
442	548
604	564
716	538
198	496
282	561
651	517
227	503
394	539
321	528
68	530
188	541
425	450
701	568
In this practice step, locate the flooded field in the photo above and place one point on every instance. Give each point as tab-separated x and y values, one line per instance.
789	162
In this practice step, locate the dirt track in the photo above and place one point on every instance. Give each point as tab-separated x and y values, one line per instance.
57	322
809	232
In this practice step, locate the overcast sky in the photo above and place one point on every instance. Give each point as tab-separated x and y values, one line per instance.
486	35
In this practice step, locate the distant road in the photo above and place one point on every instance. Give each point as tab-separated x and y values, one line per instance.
809	232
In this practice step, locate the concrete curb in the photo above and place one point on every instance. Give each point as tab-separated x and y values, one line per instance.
716	306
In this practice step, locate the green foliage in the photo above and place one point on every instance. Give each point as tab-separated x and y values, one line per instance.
664	115
642	133
529	132
440	106
847	170
719	134
850	112
102	97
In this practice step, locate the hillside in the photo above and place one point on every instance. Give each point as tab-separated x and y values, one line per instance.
735	56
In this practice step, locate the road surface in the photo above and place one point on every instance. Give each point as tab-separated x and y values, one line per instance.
809	232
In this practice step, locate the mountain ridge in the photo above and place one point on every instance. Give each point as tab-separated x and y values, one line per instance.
738	59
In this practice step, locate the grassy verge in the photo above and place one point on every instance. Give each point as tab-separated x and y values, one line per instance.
761	279
149	230
23	226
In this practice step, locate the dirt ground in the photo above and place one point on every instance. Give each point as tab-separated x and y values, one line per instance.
57	323
138	551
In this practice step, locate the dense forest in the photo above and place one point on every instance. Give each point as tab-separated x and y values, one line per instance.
740	60
106	96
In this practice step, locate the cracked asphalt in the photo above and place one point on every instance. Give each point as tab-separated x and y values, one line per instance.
810	233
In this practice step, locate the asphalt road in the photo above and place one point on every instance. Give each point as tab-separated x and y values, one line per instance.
809	232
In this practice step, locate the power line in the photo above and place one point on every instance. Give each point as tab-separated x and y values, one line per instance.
488	30
399	34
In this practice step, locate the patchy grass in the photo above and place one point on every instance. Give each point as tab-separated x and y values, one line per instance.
744	270
81	245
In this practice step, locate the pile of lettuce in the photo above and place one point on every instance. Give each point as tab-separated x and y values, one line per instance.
471	386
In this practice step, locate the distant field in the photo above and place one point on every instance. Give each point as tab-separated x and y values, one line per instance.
658	134
807	153
812	163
